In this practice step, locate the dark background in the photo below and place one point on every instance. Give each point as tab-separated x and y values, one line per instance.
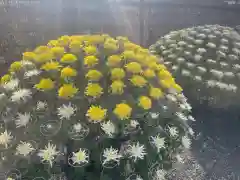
25	24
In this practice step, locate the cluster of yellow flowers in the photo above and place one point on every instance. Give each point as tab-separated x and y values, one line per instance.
103	62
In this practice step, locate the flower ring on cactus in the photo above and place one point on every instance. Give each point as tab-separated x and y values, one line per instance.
94	100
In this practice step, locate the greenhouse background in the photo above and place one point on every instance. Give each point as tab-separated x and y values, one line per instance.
26	24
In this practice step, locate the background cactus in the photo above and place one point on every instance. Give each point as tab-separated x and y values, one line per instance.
85	104
205	60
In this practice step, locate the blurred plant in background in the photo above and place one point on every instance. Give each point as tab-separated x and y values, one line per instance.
205	61
92	107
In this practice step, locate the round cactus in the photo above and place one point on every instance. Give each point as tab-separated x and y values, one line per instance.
205	60
93	103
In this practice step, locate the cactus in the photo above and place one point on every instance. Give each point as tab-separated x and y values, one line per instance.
100	107
205	60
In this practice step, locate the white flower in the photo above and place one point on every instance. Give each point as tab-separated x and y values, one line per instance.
21	95
11	85
229	74
190	46
159	174
211	83
31	73
236	66
190	65
180	60
48	154
187	53
210	61
216	73
191	132
223	48
22	119
217	32
179	158
41	105
172	56
165	52
24	148
197	78
202	69
136	151
224	41
111	154
139	178
171	98
154	115
197	57
109	128
192	32
201	50
26	63
236	51
232	57
173	131
181	116
198	41
211	45
134	123
185	72
201	36
186	142
174	67
182	43
232	87
80	157
173	45
221	54
66	111
77	127
158	142
5	138
211	36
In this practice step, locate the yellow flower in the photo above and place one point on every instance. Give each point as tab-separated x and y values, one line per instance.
58	51
68	58
110	46
130	46
64	40
122	111
45	84
164	74
117	73
96	39
41	49
177	87
166	83
90	50
117	87
52	43
15	66
29	56
75	46
149	73
90	61
133	67
128	55
68	72
67	91
114	60
143	51
51	66
155	93
44	57
152	65
93	75
122	38
161	67
145	102
93	90
96	113
5	78
138	81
